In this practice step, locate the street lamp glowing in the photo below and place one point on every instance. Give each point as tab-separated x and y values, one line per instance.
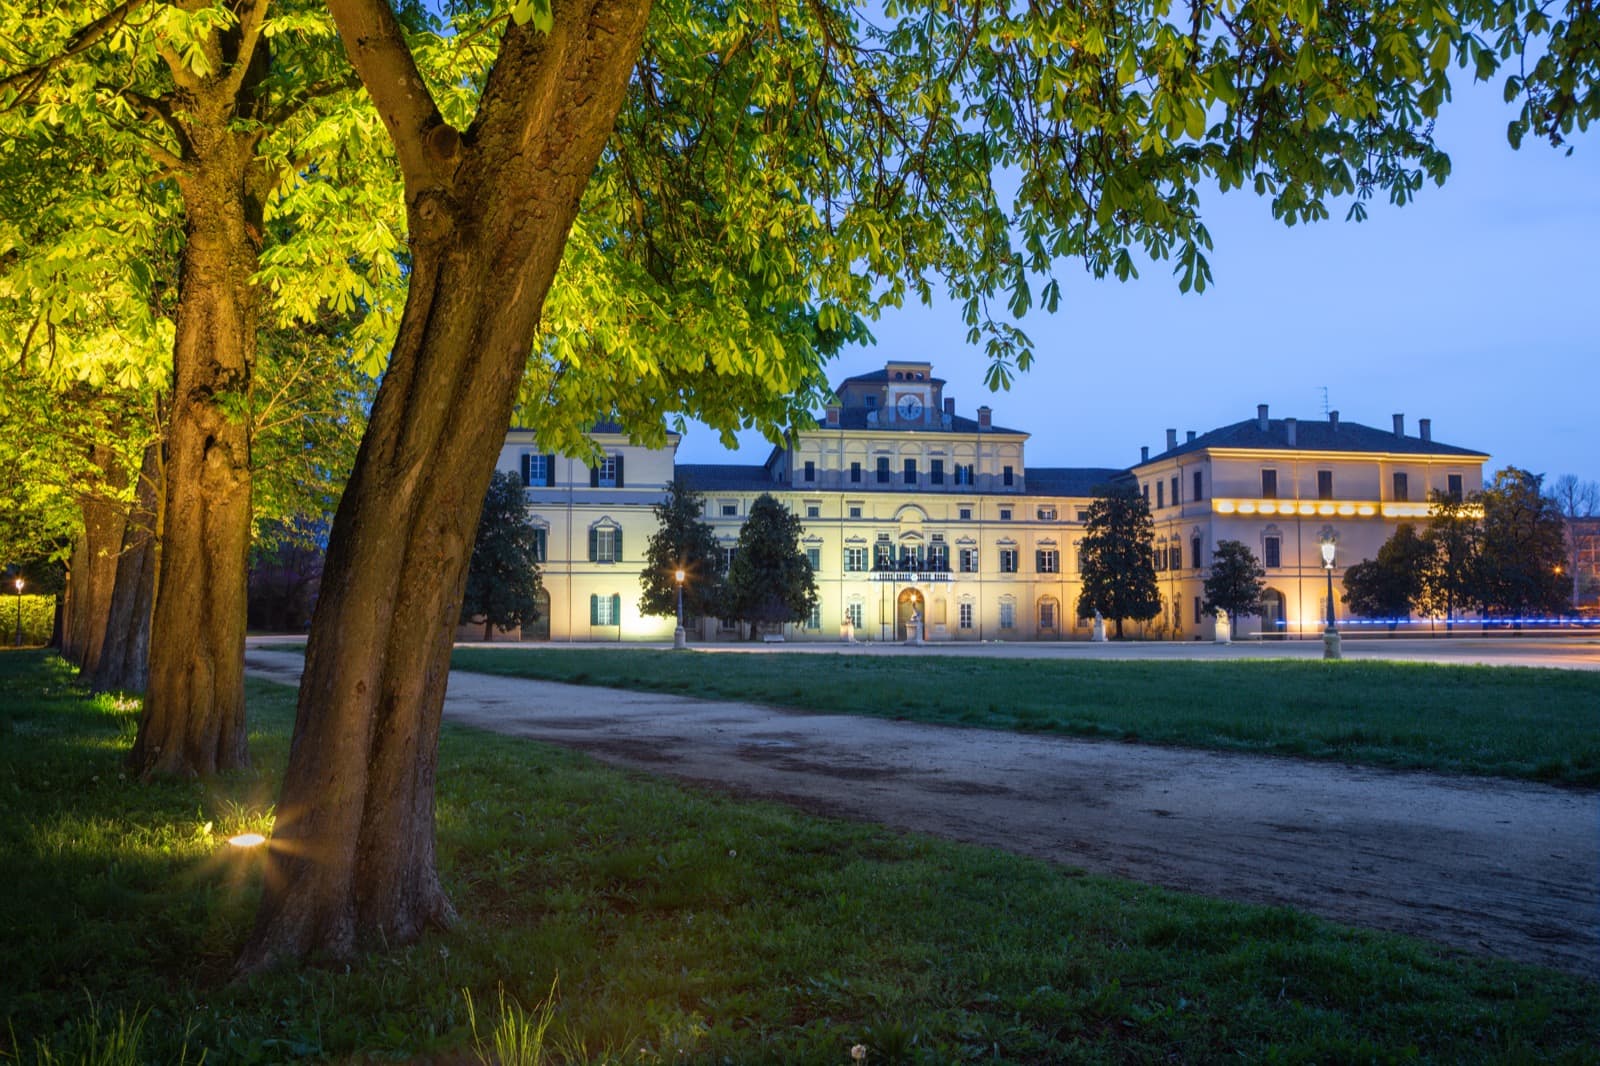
679	576
247	840
1331	648
19	610
679	639
1327	555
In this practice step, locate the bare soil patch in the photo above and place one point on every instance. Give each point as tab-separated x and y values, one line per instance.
1507	868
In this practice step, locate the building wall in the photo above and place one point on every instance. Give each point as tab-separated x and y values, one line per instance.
988	516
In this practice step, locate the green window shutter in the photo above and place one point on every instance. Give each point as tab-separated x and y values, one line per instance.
527	462
616	610
594	610
550	469
616	541
594	537
594	477
619	474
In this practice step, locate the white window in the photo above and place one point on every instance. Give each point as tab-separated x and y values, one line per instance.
730	510
605	611
541	540
1008	614
964	614
1047	614
606	473
938	557
855	559
963	473
1005	514
814	620
1047	514
853	611
969	560
966	514
883	556
855	510
729	552
814	557
1049	560
537	470
1008	560
607	543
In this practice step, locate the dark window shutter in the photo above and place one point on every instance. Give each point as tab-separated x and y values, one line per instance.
594	477
616	610
616	545
550	469
527	462
594	537
594	610
619	472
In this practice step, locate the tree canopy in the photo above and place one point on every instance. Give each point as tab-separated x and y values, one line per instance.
681	542
503	580
1235	581
1116	565
770	580
1388	585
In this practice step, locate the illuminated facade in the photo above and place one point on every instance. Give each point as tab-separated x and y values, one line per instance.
912	511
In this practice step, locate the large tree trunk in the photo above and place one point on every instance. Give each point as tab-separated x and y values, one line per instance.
92	571
125	655
193	721
352	855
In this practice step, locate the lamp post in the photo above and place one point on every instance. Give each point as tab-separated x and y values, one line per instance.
19	611
1330	636
679	640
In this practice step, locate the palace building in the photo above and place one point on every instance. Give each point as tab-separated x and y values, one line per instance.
912	510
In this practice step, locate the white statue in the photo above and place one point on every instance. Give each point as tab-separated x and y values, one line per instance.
1099	635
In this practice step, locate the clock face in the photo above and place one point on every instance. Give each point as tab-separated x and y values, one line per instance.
909	406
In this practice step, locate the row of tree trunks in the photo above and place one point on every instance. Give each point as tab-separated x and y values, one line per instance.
352	856
92	568
124	664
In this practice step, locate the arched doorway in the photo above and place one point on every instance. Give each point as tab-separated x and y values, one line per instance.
909	603
539	629
1273	615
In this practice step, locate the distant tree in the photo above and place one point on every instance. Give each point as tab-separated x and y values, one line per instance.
1523	547
1449	575
1575	499
1118	571
503	580
1388	586
770	579
1235	582
681	541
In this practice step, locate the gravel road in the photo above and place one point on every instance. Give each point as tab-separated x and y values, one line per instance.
1507	868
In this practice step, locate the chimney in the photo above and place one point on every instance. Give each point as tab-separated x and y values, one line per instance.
1425	428
1144	453
1399	425
1191	435
1289	427
1172	439
833	416
949	406
1333	420
1261	417
985	418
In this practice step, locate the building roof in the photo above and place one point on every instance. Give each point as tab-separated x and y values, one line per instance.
728	477
880	377
1320	435
1081	481
856	418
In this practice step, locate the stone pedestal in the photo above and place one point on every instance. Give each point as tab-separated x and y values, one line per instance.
1224	629
680	640
1331	644
1099	635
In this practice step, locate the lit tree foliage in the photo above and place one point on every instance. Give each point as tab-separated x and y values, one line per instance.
1117	569
681	542
1522	548
1449	582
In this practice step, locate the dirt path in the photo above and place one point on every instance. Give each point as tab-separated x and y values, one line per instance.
1506	868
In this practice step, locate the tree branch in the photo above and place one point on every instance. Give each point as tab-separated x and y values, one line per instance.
251	20
33	77
378	51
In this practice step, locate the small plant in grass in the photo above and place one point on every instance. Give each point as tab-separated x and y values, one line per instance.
517	1036
98	1040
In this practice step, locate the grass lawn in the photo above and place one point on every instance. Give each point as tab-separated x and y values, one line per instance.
677	926
1538	724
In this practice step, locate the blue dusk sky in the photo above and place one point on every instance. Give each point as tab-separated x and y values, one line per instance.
1475	305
